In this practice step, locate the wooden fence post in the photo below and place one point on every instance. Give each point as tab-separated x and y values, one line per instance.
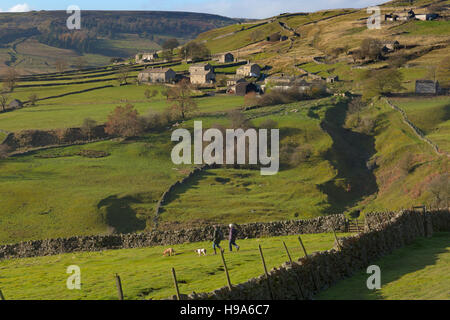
307	258
174	275
295	276
267	274
335	237
119	287
2	297
287	251
226	270
303	247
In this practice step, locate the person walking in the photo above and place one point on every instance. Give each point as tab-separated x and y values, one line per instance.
217	237
232	237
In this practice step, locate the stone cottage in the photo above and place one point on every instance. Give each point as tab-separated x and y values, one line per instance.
249	70
202	74
157	75
427	87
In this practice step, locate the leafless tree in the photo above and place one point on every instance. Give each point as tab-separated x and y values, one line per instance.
4	98
181	96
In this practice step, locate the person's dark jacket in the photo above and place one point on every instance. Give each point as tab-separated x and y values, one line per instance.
233	233
218	235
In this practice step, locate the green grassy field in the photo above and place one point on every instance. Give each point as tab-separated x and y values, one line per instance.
240	195
416	272
70	111
145	273
431	116
58	193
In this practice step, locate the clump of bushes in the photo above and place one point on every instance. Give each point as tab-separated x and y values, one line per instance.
278	96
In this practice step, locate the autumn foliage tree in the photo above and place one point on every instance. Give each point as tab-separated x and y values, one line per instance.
181	97
124	122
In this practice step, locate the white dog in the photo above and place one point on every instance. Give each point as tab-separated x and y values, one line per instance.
201	252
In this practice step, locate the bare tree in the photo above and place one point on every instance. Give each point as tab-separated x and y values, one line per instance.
440	189
60	65
80	63
33	98
4	98
181	96
124	122
122	75
88	127
10	79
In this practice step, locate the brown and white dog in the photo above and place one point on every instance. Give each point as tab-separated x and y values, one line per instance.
201	252
169	252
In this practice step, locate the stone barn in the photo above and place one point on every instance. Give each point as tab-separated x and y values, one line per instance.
249	70
242	88
157	75
226	58
332	79
427	87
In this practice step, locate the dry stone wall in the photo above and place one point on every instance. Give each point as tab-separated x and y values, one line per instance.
309	275
159	237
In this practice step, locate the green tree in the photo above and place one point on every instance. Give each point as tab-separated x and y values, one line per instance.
382	81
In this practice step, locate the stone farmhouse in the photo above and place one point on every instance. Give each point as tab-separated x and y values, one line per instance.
427	87
202	74
157	75
146	57
226	58
249	70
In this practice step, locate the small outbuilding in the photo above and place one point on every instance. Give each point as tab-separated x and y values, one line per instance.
15	104
427	87
332	79
226	58
242	88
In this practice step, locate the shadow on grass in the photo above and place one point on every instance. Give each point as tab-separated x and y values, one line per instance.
349	154
421	253
120	215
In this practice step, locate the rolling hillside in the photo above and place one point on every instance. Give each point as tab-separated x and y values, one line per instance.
31	41
344	161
